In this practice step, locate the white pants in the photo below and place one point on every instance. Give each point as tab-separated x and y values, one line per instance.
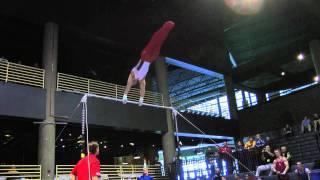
141	69
264	168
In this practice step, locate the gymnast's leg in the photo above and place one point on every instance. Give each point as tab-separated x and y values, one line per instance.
142	84
131	82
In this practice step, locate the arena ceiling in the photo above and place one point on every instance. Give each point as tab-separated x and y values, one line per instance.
102	39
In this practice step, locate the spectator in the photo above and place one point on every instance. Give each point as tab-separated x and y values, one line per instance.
250	144
239	146
305	124
280	166
217	175
80	171
285	153
301	172
259	141
145	175
267	158
316	122
287	130
225	148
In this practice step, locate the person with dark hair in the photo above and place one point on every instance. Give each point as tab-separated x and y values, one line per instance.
302	172
287	130
280	166
239	146
81	170
267	158
148	55
225	148
285	153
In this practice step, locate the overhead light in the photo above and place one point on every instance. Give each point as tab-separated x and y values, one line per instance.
316	78
63	146
61	140
70	134
105	147
283	73
124	163
153	145
136	157
131	144
300	57
7	135
122	146
100	142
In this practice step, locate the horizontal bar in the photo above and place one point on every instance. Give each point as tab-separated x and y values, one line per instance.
58	123
129	102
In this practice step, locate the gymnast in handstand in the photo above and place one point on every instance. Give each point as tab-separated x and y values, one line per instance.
148	55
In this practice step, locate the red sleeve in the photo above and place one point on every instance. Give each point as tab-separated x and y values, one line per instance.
95	169
74	170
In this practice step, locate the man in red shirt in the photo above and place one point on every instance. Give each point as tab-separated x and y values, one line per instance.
148	55
225	148
81	169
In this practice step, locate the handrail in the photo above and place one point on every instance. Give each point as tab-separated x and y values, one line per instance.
20	171
115	171
66	82
21	74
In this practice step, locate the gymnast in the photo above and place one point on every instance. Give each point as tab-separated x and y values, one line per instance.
148	55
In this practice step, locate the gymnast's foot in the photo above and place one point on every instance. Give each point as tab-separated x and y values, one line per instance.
124	99
140	101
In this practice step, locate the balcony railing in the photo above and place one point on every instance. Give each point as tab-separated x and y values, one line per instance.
20	172
27	75
114	171
21	74
72	83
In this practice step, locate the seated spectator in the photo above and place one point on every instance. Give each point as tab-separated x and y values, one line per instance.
302	172
259	141
280	166
225	148
287	130
305	124
316	122
250	144
239	146
285	153
267	158
145	175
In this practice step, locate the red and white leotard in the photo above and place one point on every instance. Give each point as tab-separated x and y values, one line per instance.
151	52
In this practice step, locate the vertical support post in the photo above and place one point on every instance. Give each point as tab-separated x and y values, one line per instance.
231	97
168	142
47	129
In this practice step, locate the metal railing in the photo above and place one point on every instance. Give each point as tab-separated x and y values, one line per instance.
114	171
20	171
21	74
72	83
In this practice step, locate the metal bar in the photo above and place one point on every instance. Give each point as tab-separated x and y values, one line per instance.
7	72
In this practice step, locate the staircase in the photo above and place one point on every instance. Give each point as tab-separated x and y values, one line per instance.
303	147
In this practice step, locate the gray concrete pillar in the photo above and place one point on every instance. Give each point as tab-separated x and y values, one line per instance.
231	97
168	141
314	46
47	130
261	97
